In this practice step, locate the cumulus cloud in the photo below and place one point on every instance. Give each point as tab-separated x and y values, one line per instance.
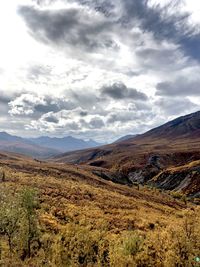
70	120
120	91
31	104
25	104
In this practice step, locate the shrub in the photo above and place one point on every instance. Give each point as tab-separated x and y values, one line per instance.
29	203
10	213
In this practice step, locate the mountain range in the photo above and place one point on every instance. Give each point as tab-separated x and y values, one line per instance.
42	147
167	157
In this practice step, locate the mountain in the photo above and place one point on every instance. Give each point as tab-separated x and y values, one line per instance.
141	158
10	138
42	147
24	146
64	144
170	136
183	127
124	138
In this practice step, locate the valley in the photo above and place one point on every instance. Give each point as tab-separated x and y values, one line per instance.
78	211
131	203
145	156
100	133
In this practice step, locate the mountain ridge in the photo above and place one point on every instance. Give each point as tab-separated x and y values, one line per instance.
140	159
158	137
42	147
182	126
64	144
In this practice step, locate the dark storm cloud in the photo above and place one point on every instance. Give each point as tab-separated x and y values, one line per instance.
180	87
120	91
68	26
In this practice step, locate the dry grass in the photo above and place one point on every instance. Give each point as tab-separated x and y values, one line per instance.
85	219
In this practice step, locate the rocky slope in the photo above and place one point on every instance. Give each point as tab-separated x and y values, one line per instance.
185	178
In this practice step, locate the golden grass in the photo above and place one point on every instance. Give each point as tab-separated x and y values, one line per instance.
79	210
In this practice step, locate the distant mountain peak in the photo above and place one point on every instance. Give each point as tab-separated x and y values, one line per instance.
43	146
64	144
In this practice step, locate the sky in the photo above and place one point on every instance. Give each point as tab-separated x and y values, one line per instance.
97	69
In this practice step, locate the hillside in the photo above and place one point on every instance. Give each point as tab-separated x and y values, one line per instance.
183	127
143	157
124	138
84	220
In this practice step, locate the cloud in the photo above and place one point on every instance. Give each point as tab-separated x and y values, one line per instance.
92	126
161	58
70	120
165	23
120	91
182	86
74	26
176	106
97	68
36	71
4	99
129	113
30	104
51	118
96	123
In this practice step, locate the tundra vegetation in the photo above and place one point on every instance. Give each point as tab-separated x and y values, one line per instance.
57	219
